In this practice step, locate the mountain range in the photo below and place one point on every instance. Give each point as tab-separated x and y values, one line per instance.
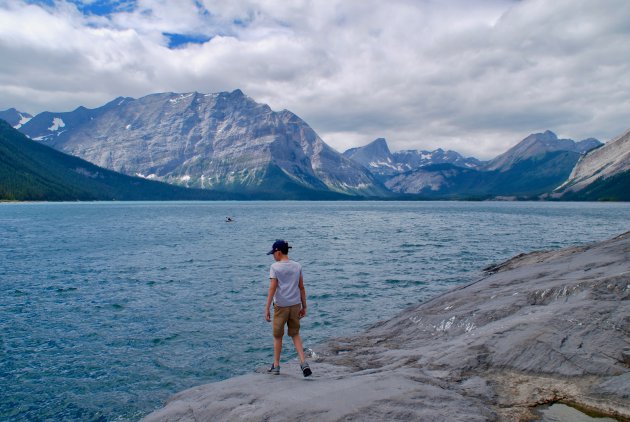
377	158
537	164
226	142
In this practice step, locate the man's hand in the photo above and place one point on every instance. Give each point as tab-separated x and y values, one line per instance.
273	285
302	313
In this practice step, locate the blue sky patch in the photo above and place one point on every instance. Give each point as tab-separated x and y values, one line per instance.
105	7
97	8
44	2
178	40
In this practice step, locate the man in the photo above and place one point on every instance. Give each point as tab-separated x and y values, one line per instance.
286	288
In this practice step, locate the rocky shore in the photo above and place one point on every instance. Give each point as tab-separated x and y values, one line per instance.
542	327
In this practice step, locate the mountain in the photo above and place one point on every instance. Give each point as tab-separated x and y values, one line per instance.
413	159
536	165
375	157
536	145
603	173
34	172
526	179
15	118
531	176
223	141
438	180
378	159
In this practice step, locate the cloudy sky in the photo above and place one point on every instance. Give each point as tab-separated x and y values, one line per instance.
475	76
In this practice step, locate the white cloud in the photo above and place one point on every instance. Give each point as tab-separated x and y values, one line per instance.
471	76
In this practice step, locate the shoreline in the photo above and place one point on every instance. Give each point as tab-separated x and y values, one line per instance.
539	328
361	199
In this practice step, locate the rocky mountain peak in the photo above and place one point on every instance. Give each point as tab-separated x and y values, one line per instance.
587	145
375	156
377	150
14	117
237	93
379	145
537	145
611	159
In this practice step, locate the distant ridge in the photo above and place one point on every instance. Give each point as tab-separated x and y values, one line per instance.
378	159
536	145
534	166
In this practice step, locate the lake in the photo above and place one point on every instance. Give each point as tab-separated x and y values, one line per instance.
107	309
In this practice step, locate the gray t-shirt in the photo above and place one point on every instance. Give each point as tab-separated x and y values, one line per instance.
288	274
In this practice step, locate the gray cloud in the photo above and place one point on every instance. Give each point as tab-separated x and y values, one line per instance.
471	76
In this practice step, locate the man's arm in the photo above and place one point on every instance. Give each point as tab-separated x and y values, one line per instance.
302	297
273	285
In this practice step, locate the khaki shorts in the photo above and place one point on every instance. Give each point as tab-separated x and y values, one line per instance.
289	315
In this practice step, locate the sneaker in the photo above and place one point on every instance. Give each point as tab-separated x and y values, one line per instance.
274	370
306	370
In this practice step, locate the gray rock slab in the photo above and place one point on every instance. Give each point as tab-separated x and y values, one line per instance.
540	328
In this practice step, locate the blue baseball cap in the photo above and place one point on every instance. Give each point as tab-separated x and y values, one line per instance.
280	245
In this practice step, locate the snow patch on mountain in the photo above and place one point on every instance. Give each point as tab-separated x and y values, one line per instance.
23	120
57	123
42	138
180	98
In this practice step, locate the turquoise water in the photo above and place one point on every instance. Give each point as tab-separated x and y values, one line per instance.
107	309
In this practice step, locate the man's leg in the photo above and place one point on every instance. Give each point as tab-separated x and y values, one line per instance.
277	349
280	316
297	342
